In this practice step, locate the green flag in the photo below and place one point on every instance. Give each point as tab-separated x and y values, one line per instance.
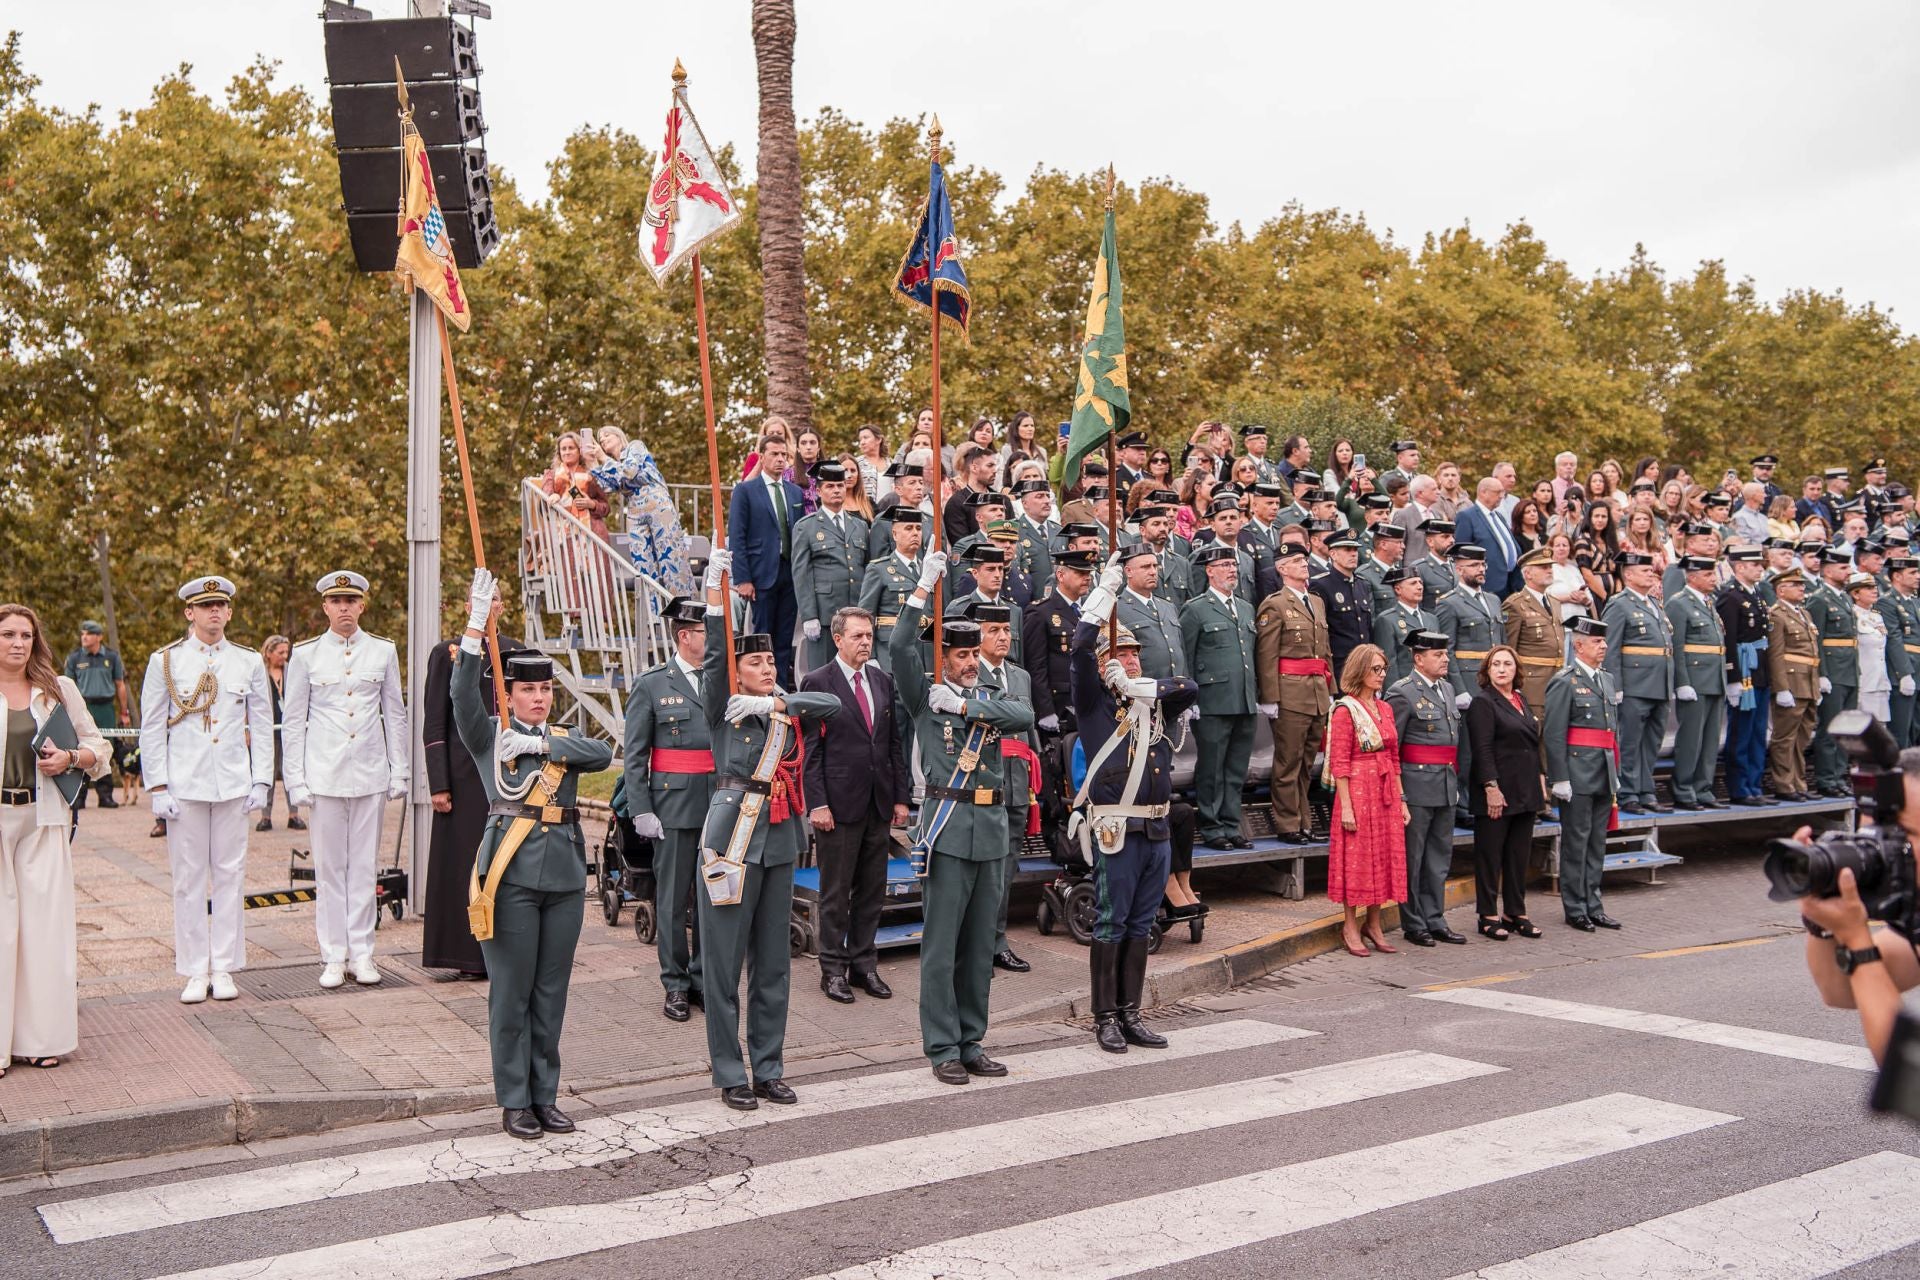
1101	405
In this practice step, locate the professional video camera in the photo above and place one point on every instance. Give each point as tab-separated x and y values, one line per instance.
1883	866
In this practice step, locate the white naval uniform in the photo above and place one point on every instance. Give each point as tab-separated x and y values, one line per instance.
345	742
208	764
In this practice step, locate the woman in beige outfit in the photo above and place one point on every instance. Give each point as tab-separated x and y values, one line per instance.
39	994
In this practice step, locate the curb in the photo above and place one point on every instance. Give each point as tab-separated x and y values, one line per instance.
39	1147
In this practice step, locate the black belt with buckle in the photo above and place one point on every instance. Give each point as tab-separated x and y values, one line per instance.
728	781
16	795
550	813
966	795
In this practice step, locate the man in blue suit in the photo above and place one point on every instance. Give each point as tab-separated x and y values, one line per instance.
1480	523
760	536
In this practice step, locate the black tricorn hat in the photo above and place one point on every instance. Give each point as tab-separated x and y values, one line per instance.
528	667
752	642
956	632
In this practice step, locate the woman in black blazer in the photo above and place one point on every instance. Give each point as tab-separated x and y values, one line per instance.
1508	793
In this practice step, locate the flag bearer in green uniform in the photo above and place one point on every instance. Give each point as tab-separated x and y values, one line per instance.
1579	733
962	831
538	898
755	830
668	782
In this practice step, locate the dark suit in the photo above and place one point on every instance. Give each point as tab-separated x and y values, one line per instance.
859	774
1475	525
762	556
1506	750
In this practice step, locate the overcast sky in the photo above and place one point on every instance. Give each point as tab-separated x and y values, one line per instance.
1777	137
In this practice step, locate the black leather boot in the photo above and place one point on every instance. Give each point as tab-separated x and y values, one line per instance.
1103	962
1133	982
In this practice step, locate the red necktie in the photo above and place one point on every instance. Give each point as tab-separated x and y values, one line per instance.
860	696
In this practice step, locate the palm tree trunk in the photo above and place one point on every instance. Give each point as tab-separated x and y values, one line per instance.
782	240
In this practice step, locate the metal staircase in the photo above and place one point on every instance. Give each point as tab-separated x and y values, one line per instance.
588	609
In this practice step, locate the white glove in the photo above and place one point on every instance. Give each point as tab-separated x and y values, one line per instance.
810	628
1049	724
165	806
1190	715
398	791
257	798
1826	685
1271	710
944	700
933	569
1563	791
742	705
647	826
1783	698
299	797
1114	576
1906	686
511	746
1463	701
1115	675
719	565
1619	698
1686	693
1140	687
480	599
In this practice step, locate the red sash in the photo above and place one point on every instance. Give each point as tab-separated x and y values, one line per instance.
681	760
1429	753
789	780
1014	749
1307	667
1603	739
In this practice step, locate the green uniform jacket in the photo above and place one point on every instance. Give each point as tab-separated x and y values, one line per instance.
1371	572
1471	619
1424	715
1437	576
665	710
1903	635
958	604
883	594
1832	615
1220	648
1576	699
1391	631
736	751
1017	684
553	857
1639	647
828	565
1176	578
1156	625
977	833
1033	554
1696	625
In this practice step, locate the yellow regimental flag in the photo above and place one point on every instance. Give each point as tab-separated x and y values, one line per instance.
426	255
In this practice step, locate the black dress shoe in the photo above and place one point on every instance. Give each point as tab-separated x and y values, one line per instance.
1240	842
296	823
984	1066
108	802
951	1072
1687	805
1752	802
1419	937
874	985
265	824
1219	842
1604	920
1106	1033
1659	806
676	1007
835	985
552	1118
1010	962
1137	1032
1714	802
1448	935
1581	923
697	998
778	1091
740	1098
521	1122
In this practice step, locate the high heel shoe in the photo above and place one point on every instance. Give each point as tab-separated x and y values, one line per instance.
1378	943
1352	949
1491	927
1522	926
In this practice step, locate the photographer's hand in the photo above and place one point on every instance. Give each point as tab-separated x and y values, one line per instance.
1845	916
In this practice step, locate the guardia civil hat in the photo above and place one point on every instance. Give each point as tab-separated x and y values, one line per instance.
1427	640
531	668
1587	625
1213	551
753	642
1467	551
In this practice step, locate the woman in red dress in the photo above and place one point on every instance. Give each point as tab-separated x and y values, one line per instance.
1367	866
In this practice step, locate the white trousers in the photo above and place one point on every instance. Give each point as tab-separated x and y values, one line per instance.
207	847
39	994
346	847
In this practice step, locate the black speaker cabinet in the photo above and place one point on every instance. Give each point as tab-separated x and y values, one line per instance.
428	49
368	116
373	181
376	238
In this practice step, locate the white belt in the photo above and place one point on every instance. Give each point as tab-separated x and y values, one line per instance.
1130	810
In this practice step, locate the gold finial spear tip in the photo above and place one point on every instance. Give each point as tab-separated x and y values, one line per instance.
933	139
679	73
1110	182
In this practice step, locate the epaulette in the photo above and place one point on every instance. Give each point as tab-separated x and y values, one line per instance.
365	632
247	647
304	643
1445	594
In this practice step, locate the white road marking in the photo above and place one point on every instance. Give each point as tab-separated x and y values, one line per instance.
503	1241
1798	1229
1802	1048
1176	1226
600	1139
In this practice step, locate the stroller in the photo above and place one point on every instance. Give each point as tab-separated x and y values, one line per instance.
626	870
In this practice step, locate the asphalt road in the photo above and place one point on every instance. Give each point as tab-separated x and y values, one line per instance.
1342	1119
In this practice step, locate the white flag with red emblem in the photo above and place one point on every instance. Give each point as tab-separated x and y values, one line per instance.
688	204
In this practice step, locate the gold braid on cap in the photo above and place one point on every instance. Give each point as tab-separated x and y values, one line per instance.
199	701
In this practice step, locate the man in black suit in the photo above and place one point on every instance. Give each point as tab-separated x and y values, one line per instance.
857	787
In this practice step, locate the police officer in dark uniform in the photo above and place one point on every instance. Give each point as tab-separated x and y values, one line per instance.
1744	618
1047	639
1349	601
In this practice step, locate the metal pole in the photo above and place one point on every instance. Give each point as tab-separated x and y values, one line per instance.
423	565
933	484
106	592
713	460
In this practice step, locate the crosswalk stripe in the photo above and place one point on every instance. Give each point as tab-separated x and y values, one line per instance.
1798	1229
501	1242
600	1139
1752	1040
1177	1226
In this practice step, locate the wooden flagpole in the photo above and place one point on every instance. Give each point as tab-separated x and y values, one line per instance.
933	485
473	511
1113	490
713	454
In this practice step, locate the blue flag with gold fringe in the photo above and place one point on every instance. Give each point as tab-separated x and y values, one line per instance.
932	267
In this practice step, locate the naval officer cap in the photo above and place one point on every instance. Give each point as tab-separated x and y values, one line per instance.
344	584
956	632
1464	551
212	590
1132	440
1836	473
1427	640
1766	460
1213	551
1587	625
1343	538
527	668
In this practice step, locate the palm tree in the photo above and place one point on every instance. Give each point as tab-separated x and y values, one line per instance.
782	240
